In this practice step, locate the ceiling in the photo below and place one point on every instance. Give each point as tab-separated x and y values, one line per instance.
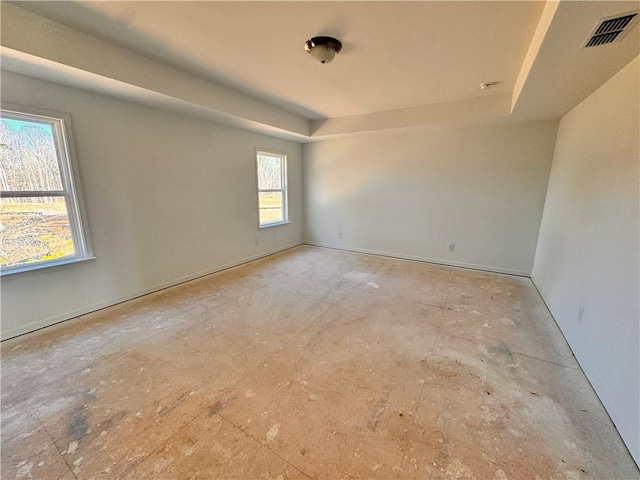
401	61
395	54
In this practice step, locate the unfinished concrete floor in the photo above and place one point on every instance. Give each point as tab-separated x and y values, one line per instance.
313	363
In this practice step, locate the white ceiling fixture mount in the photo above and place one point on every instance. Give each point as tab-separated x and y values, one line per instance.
488	85
323	49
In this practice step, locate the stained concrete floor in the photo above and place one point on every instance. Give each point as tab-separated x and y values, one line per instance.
312	363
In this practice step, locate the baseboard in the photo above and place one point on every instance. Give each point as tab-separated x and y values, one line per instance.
606	399
437	261
47	322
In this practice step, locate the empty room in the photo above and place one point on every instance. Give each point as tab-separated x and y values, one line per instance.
320	240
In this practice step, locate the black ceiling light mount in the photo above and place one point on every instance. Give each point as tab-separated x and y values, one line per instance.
323	49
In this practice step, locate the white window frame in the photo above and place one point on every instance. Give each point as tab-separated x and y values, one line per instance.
61	127
284	189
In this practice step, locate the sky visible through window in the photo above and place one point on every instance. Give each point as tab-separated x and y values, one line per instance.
17	125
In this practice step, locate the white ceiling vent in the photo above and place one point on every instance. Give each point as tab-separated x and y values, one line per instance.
610	29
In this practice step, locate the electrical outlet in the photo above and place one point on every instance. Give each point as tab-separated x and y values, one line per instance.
452	247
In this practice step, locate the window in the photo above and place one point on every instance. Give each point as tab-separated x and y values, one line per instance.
272	188
40	220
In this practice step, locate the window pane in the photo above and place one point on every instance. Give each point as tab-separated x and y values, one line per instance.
269	173
271	207
28	159
34	230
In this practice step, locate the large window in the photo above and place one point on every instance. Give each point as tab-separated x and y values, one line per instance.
40	219
272	188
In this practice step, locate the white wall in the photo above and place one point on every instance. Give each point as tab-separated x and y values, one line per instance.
587	261
167	198
413	194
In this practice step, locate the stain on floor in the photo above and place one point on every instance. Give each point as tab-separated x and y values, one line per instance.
312	363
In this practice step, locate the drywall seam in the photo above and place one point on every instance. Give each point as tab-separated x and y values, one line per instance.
47	322
631	443
438	261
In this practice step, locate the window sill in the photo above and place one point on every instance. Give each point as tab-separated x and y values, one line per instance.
42	267
267	225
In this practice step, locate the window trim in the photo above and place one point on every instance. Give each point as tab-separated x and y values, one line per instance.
284	190
71	190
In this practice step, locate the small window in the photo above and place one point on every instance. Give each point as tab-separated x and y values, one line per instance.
40	220
272	188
